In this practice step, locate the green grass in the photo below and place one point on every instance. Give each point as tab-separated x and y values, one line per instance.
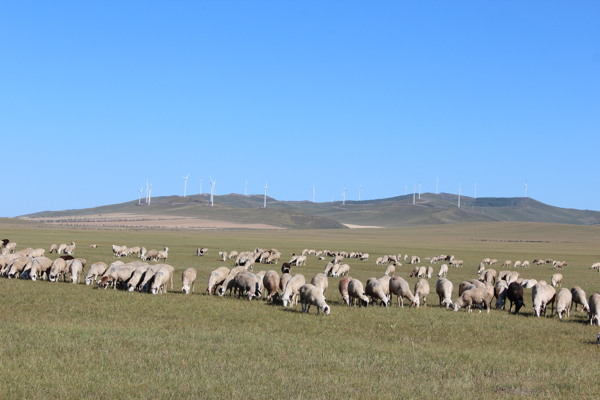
74	341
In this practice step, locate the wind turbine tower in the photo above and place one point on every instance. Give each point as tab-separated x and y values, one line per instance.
147	192
185	179
150	195
525	189
344	196
212	191
140	196
414	193
265	198
419	190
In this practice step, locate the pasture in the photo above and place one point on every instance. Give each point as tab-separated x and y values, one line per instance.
67	341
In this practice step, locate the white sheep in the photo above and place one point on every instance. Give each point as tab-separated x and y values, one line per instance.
579	298
188	280
59	268
529	283
541	295
557	280
161	278
140	272
320	281
290	292
594	314
342	270
477	296
421	292
375	291
227	283
443	271
75	269
40	267
247	284
443	288
390	270
356	293
115	274
400	288
564	299
311	295
96	270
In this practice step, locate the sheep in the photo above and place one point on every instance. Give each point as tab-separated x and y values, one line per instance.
525	264
342	270
162	255
320	281
364	257
247	284
312	295
200	251
390	270
40	266
517	264
283	280
594	314
579	298
227	283
511	277
557	280
271	284
375	291
564	300
188	280
529	283
541	295
343	288
443	288
400	288
465	286
456	263
385	285
160	279
415	260
17	266
96	269
488	276
443	271
356	293
286	268
596	266
514	293
421	292
300	261
115	274
70	249
507	264
559	264
75	269
429	272
53	248
477	296
59	268
290	292
37	253
500	291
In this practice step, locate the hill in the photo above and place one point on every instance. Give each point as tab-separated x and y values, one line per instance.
248	211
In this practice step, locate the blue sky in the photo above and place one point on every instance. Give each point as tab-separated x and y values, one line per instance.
96	97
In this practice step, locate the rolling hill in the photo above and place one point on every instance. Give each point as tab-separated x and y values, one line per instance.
389	212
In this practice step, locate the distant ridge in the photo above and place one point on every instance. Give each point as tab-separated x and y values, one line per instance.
388	212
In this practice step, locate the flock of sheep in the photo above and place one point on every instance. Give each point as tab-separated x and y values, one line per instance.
290	289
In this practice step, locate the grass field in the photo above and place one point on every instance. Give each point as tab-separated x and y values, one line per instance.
74	341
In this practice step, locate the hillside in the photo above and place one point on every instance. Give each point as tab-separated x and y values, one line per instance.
389	212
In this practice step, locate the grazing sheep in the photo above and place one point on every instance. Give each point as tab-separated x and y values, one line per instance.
511	277
421	292
564	300
40	267
541	295
53	248
443	288
116	274
375	291
321	282
477	296
385	285
529	283
284	279
223	255
390	270
200	251
290	292
75	269
161	278
429	272
514	293
343	288
557	280
415	260
341	270
400	288
311	295
356	293
59	268
271	284
559	264
17	266
596	266
500	291
594	314
525	264
364	256
96	269
188	280
300	261
579	298
140	274
227	283
162	255
465	286
443	271
247	284
488	276
507	264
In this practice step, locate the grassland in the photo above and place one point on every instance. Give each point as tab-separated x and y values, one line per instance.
73	341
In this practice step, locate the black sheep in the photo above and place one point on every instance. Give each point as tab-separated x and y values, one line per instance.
515	295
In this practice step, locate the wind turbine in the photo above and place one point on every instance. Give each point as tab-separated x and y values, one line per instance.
265	199
147	192
185	178
419	190
344	196
150	195
140	196
212	191
525	188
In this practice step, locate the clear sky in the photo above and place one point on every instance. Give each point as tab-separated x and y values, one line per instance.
96	97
